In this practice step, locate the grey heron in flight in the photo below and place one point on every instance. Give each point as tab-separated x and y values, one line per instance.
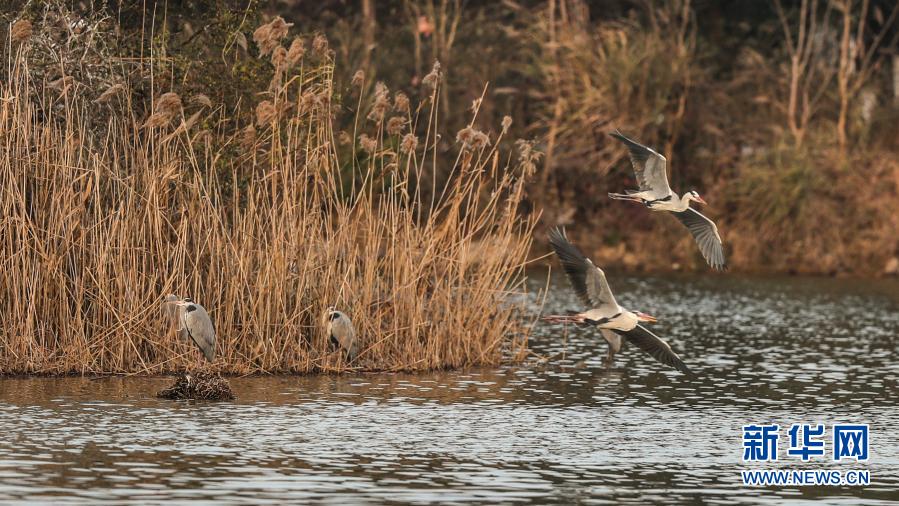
615	322
194	322
654	192
341	333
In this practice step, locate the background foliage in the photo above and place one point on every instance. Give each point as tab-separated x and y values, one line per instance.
780	114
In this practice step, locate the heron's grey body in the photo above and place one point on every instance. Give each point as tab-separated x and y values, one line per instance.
341	333
615	322
652	177
196	323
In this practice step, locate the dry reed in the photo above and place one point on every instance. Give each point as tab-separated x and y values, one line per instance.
260	226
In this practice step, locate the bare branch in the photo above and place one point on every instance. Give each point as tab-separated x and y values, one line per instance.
786	26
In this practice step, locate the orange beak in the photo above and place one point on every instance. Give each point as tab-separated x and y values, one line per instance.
643	317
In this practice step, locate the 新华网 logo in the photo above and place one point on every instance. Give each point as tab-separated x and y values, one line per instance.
806	442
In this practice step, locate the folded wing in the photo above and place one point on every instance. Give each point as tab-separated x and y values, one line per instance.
199	328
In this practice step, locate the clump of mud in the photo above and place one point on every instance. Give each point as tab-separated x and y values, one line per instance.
201	385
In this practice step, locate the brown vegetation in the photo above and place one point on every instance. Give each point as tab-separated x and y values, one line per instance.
219	153
778	112
109	203
765	142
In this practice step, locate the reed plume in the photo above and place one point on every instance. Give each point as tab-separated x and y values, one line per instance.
104	214
21	31
268	36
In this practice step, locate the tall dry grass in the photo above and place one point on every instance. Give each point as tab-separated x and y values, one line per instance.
776	112
798	166
265	218
616	73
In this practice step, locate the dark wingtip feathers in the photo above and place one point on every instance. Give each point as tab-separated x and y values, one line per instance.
556	234
568	253
686	371
623	138
682	367
617	134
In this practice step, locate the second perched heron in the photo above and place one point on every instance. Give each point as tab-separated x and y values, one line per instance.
341	333
195	322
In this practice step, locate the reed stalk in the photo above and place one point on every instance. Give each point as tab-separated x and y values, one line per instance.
263	220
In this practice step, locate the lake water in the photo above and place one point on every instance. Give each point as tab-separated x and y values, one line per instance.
568	431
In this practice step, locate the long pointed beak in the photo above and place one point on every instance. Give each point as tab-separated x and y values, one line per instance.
643	317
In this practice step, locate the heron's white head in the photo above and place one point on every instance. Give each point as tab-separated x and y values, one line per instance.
186	301
643	317
694	196
332	313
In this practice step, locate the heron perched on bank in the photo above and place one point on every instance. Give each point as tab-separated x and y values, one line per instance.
194	322
652	177
341	333
589	283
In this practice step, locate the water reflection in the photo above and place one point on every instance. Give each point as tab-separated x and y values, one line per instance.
563	431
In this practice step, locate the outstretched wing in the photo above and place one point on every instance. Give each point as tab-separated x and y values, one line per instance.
706	235
655	346
649	166
588	280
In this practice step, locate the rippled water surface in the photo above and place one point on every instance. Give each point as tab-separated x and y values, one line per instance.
564	431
